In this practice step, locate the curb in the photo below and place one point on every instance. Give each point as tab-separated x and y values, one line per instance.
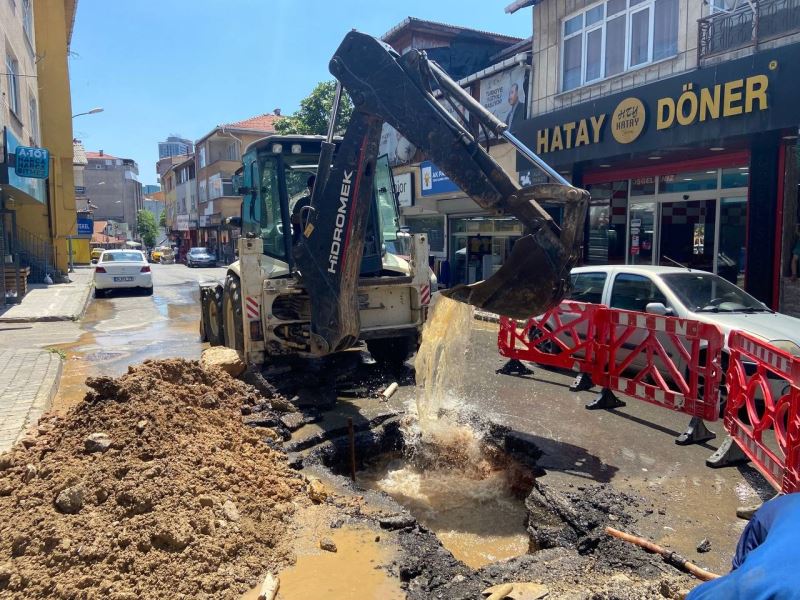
43	401
76	316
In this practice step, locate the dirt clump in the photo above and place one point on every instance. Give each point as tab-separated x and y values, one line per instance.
150	488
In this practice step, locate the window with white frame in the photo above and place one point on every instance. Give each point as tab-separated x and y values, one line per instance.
12	78
614	36
27	20
34	114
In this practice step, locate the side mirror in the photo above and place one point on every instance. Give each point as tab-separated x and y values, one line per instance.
94	261
658	308
233	221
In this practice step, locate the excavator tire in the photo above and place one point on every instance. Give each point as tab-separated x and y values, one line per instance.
211	303
391	352
232	311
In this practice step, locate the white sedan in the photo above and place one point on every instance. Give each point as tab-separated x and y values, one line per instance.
122	269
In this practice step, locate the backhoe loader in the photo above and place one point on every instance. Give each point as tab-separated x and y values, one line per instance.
314	277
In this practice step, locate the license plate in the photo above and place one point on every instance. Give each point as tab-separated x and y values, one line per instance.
123	278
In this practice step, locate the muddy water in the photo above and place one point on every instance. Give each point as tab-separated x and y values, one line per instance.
125	330
476	517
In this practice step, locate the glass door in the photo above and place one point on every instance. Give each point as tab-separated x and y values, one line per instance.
688	234
641	231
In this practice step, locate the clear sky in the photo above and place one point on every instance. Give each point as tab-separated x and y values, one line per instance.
183	66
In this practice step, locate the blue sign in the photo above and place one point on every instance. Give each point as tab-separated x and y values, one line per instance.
434	181
32	162
85	226
29	185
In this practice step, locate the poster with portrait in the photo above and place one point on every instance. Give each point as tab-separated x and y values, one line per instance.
399	150
503	94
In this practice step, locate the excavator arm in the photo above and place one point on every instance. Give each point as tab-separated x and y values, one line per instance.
386	87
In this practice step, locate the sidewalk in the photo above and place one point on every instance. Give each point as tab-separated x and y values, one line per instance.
28	382
57	302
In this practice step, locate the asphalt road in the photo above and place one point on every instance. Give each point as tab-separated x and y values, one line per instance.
632	448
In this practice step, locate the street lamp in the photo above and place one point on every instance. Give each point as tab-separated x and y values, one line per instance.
93	111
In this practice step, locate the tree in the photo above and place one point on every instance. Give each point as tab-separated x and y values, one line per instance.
147	228
314	113
162	220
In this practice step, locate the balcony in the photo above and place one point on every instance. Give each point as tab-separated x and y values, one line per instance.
724	32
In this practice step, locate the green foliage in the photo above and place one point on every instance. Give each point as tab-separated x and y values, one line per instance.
314	114
147	228
162	220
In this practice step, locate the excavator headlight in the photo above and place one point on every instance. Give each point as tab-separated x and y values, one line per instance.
277	148
296	148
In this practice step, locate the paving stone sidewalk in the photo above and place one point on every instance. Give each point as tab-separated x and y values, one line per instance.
28	382
56	302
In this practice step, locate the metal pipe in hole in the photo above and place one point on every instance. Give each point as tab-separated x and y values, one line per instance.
352	436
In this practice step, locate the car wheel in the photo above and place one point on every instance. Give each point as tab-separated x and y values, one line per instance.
99	293
211	306
148	291
232	311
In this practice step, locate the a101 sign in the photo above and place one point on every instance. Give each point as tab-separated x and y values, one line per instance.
32	162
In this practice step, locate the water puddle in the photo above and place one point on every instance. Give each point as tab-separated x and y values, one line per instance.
355	570
477	518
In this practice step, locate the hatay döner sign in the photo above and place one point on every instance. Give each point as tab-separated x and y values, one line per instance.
627	121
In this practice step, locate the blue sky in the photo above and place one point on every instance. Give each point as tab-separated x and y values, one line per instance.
183	66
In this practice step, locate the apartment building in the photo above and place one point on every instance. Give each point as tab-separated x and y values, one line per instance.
218	155
681	118
112	185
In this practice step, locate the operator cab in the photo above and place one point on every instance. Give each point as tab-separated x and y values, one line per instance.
275	186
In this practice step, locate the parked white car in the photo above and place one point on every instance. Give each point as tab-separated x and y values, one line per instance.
122	269
688	294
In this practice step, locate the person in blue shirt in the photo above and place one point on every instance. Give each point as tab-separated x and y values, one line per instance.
766	565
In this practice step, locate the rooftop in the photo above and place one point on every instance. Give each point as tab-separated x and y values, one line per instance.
265	122
444	29
101	155
78	153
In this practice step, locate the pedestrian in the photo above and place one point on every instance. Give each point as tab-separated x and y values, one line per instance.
766	564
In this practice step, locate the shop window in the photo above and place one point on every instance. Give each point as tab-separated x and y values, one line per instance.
688	182
588	287
643	186
607	220
594	41
736	177
634	292
432	226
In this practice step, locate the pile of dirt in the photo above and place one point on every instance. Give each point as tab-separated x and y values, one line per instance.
151	488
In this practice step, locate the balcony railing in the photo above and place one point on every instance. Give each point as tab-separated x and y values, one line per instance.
723	32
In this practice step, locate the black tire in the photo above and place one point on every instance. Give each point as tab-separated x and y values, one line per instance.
392	352
232	313
211	299
99	293
148	291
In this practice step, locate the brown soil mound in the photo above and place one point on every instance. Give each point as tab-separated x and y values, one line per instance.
151	488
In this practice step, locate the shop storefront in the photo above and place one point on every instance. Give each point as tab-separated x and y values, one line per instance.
696	169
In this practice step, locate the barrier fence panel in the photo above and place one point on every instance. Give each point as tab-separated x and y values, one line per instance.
764	396
563	337
666	361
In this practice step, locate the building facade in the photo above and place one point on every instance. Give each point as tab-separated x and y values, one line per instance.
174	145
37	215
112	185
466	243
218	155
680	117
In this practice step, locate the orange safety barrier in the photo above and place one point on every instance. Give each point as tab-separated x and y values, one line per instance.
564	337
667	361
763	396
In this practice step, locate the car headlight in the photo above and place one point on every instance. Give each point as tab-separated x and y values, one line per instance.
787	346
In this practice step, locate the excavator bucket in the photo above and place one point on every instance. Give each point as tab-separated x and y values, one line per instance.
535	277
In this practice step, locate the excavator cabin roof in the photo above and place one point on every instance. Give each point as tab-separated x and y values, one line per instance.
308	143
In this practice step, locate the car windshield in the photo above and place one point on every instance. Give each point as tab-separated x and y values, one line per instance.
704	292
198	251
122	257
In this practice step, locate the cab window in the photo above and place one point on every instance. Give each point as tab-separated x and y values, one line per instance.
270	211
588	287
635	292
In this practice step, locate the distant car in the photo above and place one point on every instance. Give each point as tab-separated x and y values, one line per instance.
96	254
122	269
200	257
157	253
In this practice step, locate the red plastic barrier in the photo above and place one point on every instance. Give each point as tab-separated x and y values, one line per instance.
666	361
563	337
764	396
